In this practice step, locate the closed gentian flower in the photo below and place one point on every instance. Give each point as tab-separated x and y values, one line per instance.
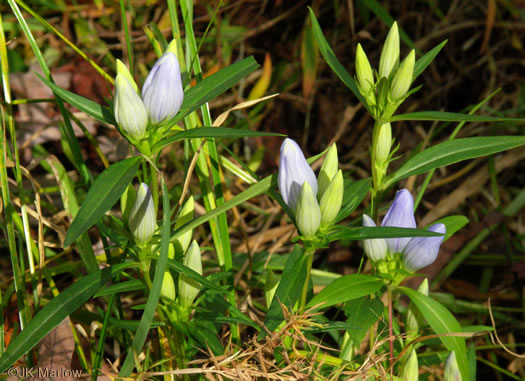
308	215
390	53
411	368
189	288
332	200
452	372
403	77
375	248
130	112
293	172
365	75
162	92
328	170
423	251
401	215
142	218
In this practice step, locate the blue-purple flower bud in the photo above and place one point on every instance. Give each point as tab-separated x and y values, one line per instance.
308	215
401	215
423	251
162	92
293	172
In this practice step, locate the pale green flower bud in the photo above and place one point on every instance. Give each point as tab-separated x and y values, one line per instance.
189	288
332	199
130	112
403	77
452	372
328	170
423	287
411	368
383	143
123	69
186	215
270	287
308	214
375	248
168	286
142	218
365	75
390	53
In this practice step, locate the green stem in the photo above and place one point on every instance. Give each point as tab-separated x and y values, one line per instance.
310	258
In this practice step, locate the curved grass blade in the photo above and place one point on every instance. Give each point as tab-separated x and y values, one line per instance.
442	322
346	288
52	314
103	194
451	152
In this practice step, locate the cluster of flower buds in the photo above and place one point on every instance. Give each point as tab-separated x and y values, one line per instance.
162	95
316	202
392	78
417	252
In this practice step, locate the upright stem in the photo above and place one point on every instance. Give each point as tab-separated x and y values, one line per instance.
309	260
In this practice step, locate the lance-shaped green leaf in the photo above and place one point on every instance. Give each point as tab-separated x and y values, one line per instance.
443	323
361	233
354	193
451	152
423	62
99	112
331	59
103	194
212	132
346	288
52	314
214	85
445	116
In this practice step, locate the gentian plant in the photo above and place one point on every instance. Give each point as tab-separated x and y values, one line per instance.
203	296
